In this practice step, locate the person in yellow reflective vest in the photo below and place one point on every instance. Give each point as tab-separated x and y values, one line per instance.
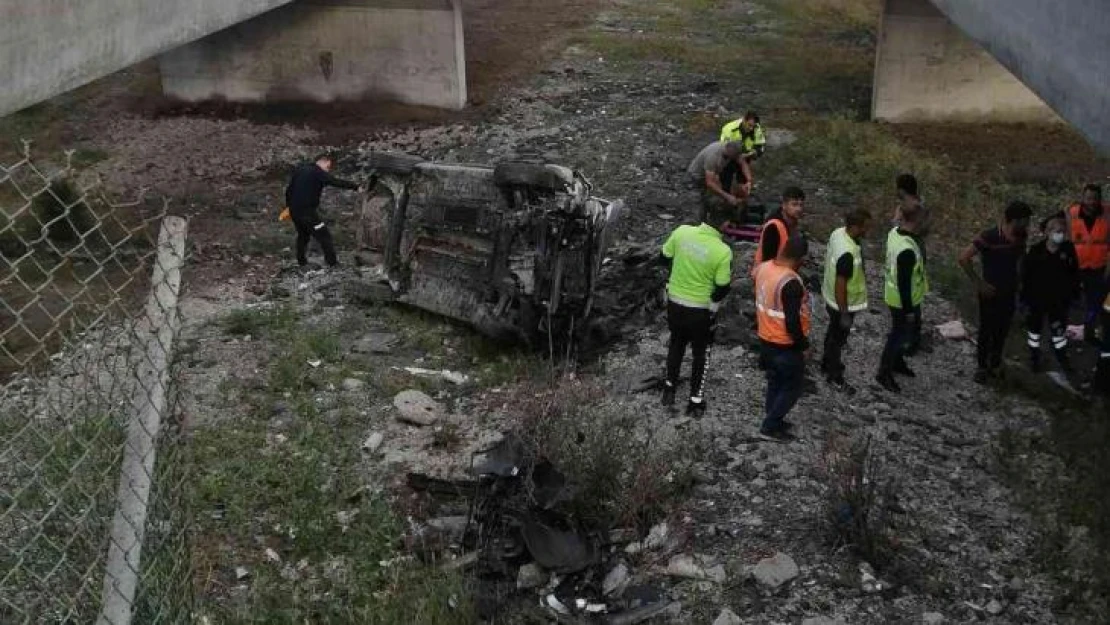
904	287
748	132
844	289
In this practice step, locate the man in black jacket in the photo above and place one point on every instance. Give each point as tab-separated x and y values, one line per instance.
1050	280
302	196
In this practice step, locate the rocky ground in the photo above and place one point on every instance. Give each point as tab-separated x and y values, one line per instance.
755	539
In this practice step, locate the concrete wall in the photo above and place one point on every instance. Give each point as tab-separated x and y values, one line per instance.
927	69
51	46
403	50
1060	48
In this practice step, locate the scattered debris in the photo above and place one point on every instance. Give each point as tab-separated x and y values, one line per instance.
953	330
531	575
315	363
451	376
616	580
562	551
373	442
657	536
686	567
995	607
933	618
242	573
868	582
417	408
553	602
272	555
352	384
775	571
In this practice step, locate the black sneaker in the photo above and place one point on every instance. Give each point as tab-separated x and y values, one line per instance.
777	436
695	409
887	381
904	369
668	395
981	376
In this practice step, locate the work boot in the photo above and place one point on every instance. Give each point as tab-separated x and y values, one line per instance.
695	409
1035	360
777	436
887	381
668	394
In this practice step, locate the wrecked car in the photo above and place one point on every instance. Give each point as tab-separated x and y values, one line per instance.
514	249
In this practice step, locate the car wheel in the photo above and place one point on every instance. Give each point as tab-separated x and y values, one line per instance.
547	177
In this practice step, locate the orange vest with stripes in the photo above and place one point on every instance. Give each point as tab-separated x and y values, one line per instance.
770	277
1090	244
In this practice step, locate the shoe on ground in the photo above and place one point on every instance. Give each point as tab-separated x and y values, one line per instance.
981	376
904	369
777	436
841	385
787	425
695	409
668	395
887	381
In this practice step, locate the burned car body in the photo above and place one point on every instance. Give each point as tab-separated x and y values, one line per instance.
513	250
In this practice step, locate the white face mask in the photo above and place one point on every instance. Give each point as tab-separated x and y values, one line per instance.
1057	237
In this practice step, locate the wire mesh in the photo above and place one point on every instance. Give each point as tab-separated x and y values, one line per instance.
84	366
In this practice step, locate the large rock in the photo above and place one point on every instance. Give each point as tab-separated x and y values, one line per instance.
775	571
417	408
375	343
531	576
616	581
727	617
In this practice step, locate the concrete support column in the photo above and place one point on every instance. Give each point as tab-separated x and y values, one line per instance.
928	70
408	51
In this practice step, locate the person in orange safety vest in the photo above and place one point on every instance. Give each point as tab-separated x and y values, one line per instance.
1089	230
783	317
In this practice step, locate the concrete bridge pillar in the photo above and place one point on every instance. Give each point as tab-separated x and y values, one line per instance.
927	70
408	51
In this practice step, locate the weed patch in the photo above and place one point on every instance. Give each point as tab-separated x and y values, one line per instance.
858	498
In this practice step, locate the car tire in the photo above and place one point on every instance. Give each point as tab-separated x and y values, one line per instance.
546	177
393	163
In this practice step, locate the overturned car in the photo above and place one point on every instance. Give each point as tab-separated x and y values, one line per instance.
514	250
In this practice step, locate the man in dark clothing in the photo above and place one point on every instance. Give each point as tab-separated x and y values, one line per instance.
1002	249
302	196
1050	279
783	314
904	287
707	175
780	226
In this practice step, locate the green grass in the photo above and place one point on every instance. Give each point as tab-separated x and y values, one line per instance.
300	493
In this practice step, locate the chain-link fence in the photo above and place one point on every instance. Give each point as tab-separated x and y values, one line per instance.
92	465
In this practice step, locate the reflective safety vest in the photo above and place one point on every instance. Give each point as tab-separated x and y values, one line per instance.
841	243
896	243
1090	245
784	235
733	131
770	277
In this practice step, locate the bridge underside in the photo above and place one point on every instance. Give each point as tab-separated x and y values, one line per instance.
928	70
409	51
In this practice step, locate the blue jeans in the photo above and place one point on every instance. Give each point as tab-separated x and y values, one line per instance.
899	340
785	374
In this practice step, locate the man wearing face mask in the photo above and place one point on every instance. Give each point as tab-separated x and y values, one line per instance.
1002	249
1049	280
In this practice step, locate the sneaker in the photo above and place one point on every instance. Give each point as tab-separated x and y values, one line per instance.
777	436
904	369
887	381
695	409
981	376
668	395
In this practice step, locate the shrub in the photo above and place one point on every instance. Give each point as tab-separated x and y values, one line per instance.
859	497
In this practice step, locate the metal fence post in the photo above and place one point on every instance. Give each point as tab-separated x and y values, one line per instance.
121	572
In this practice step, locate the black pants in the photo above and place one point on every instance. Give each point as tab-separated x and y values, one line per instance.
995	316
314	227
785	377
835	339
1094	291
1056	314
689	326
899	339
